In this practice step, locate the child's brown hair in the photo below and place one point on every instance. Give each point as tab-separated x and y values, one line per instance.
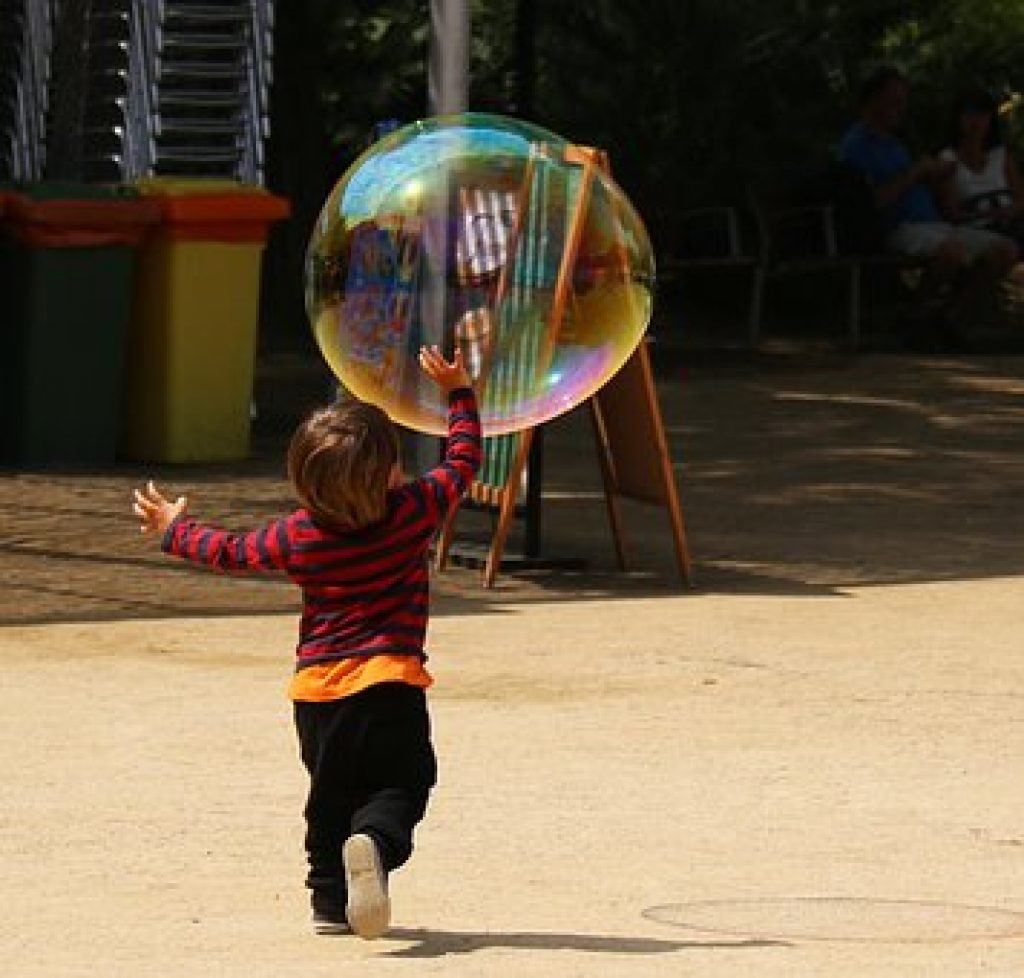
340	462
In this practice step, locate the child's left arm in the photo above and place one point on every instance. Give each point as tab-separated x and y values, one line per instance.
259	550
445	485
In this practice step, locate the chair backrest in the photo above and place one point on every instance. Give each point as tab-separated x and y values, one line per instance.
859	226
758	198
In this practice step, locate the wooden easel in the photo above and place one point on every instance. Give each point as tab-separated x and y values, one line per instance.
630	435
633	452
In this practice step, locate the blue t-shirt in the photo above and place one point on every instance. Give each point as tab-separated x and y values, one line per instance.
883	158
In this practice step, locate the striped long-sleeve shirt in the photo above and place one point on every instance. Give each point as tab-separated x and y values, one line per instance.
365	592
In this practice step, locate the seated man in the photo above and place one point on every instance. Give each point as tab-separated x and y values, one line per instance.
903	193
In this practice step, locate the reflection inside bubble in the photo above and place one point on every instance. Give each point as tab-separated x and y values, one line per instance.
489	235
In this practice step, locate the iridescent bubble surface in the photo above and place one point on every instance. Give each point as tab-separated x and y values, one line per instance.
489	234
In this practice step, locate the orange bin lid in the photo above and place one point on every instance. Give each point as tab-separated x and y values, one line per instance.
59	223
214	210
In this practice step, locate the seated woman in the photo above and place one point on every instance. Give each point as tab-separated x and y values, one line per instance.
984	188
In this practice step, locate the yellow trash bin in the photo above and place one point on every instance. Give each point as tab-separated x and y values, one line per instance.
189	370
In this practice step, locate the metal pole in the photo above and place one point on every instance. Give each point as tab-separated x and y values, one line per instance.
447	92
526	66
448	68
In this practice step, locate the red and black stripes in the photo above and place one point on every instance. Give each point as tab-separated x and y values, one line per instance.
365	592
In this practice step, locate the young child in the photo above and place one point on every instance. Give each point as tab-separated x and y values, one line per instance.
358	550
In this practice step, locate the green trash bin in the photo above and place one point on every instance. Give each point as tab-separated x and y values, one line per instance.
66	271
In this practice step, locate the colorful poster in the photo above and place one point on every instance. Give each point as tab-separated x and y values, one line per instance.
380	297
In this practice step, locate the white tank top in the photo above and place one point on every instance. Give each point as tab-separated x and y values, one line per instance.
981	190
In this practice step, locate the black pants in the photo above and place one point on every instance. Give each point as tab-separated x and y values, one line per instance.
371	768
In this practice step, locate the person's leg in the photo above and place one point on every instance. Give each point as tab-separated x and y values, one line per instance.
927	239
396	769
995	253
990	258
389	816
934	242
1014	279
947	278
329	805
942	279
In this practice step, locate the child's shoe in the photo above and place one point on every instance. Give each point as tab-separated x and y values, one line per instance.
329	924
369	909
329	916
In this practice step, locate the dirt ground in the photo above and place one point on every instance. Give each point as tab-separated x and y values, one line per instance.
808	766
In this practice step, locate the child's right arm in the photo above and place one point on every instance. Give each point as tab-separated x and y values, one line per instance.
259	550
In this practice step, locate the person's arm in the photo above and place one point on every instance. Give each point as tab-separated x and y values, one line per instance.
926	170
1015	185
260	550
946	195
891	191
446	484
888	192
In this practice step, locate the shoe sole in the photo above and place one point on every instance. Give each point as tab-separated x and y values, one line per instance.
331	928
368	909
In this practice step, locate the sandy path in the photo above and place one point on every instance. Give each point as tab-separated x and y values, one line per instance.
815	759
598	759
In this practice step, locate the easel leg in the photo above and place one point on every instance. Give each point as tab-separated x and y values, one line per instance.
444	539
668	476
675	513
508	508
611	491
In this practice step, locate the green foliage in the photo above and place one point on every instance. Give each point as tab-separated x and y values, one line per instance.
373	69
953	44
692	98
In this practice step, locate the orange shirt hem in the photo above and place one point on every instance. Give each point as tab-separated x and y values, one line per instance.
336	680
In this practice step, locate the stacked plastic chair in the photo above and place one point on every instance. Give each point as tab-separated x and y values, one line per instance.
201	74
108	126
25	42
256	116
174	87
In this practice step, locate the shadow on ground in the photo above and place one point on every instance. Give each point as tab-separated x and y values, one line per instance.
872	471
438	943
800	474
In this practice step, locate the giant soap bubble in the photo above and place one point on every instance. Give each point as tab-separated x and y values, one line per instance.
489	234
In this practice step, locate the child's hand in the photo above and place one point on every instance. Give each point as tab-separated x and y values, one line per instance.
156	512
448	376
